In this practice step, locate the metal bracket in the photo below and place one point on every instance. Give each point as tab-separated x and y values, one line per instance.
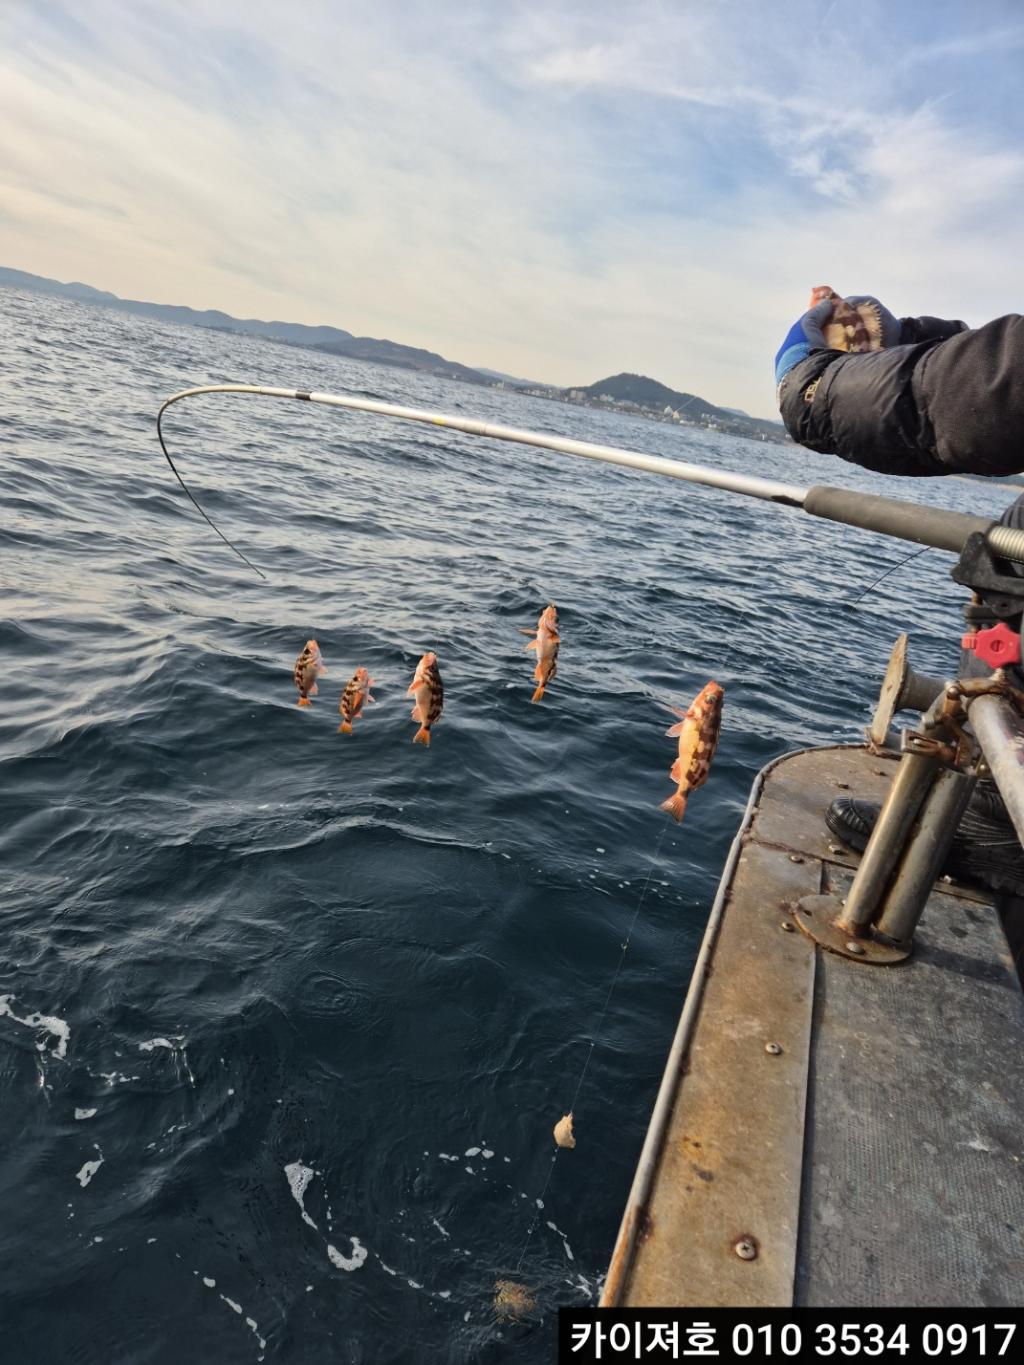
1002	593
817	916
902	689
997	685
913	742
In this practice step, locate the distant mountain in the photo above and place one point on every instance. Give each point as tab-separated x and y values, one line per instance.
499	377
21	279
638	391
334	340
634	392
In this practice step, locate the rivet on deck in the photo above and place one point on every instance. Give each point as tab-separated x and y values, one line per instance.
773	1049
856	948
746	1249
786	926
795	858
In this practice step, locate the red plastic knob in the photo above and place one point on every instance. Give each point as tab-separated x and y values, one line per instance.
997	646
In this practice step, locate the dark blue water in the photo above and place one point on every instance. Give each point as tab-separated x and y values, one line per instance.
247	959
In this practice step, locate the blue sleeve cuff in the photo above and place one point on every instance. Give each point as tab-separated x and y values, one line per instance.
791	354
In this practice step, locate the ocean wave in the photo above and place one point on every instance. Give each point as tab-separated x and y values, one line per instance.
370	958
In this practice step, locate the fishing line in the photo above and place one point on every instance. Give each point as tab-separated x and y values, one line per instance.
891	570
940	535
782	494
595	1039
744	613
189	494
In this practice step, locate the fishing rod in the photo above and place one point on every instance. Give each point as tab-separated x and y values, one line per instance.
930	526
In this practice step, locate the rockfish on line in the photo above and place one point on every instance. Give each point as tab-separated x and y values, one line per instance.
545	642
698	735
428	695
308	667
353	699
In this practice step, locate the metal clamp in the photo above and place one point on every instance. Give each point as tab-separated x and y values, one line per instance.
980	569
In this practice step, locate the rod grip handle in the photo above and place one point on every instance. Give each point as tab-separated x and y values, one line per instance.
907	521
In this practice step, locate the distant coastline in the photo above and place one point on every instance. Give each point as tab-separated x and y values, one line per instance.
632	394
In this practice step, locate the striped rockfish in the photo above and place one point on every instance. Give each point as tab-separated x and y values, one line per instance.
546	641
428	697
850	328
353	699
698	735
308	667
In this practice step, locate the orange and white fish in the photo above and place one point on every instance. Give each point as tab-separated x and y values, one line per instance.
545	642
698	735
849	328
428	695
354	698
308	667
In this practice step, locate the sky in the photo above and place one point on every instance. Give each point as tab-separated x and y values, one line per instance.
558	189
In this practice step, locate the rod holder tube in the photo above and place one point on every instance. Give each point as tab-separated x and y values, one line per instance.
1000	732
925	854
914	777
919	691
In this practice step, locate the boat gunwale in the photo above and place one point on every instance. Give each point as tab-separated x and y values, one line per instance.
621	1263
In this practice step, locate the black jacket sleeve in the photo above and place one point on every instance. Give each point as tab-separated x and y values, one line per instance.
861	408
950	402
928	329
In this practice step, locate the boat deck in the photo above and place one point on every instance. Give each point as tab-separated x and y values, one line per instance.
831	1132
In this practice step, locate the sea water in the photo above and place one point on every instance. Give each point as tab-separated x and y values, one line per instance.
288	1016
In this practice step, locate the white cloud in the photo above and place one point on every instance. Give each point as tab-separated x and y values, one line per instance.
561	191
971	43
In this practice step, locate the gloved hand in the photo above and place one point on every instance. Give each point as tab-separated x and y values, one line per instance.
806	335
857	323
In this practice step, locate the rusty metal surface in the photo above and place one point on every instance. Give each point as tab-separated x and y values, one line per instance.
628	1240
878	730
729	1211
902	688
803	785
914	1183
731	1157
818	918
